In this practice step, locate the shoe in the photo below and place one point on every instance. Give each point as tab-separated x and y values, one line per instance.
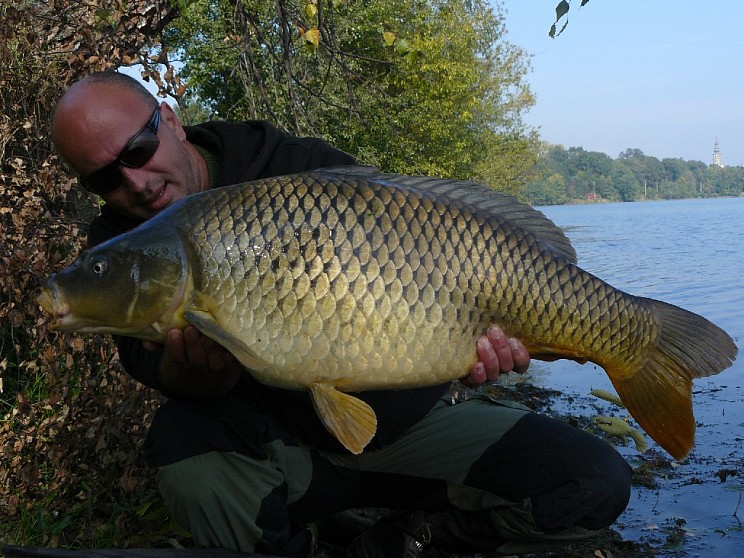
407	536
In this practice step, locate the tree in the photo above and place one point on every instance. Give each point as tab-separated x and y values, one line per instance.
409	86
674	169
592	162
549	191
726	181
624	182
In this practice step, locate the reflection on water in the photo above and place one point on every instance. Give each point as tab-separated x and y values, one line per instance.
689	253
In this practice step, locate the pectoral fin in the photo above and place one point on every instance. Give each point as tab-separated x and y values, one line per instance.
205	322
349	419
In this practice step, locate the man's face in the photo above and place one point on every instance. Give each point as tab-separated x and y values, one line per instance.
94	123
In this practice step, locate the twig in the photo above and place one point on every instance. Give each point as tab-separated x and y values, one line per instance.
736	511
658	497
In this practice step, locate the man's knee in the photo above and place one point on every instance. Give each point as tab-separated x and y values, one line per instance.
222	472
228	500
608	487
593	490
570	477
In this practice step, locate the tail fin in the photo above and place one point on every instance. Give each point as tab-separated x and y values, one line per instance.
659	394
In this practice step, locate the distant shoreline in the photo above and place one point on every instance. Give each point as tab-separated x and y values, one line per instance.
580	201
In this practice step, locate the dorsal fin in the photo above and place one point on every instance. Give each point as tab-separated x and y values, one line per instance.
476	198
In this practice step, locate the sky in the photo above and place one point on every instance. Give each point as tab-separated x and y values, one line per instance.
661	76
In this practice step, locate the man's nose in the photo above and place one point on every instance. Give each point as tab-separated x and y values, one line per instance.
134	179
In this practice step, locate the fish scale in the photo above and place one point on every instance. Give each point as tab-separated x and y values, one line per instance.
365	300
343	280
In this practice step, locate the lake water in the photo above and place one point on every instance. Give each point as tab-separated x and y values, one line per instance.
689	253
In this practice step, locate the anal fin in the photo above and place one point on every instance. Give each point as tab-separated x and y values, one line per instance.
549	354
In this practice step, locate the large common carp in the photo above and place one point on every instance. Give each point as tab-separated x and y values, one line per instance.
347	279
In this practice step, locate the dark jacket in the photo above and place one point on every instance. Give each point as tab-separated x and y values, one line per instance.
249	151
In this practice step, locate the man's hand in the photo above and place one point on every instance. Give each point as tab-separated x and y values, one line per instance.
497	355
194	364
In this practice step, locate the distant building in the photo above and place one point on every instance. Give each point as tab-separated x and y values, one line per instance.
717	154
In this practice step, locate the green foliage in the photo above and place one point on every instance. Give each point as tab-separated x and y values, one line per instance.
624	182
408	86
579	175
548	191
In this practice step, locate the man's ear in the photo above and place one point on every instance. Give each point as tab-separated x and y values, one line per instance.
169	116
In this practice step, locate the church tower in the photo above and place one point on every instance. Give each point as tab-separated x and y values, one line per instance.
717	154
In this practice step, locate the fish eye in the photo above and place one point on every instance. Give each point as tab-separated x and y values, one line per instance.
99	265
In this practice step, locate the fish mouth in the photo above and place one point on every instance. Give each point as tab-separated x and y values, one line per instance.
50	302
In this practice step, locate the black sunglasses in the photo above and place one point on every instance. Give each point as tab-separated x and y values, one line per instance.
136	153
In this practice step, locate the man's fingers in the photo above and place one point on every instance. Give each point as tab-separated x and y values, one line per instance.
174	346
477	375
520	355
217	355
497	354
488	356
503	351
205	352
196	354
151	345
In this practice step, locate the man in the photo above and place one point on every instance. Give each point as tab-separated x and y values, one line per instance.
249	467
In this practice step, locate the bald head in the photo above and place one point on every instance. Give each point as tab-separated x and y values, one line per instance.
96	116
115	80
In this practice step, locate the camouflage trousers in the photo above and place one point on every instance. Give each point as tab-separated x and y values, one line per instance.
498	478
